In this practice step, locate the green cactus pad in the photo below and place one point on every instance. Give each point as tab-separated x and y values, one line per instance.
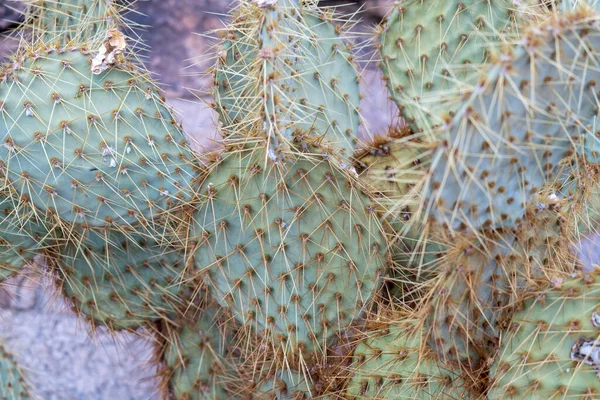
395	363
13	384
73	21
551	347
100	149
427	47
507	139
295	251
120	280
464	296
479	274
19	239
195	358
287	66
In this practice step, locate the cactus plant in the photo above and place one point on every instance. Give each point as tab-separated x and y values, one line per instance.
121	280
100	149
285	385
13	384
550	349
285	67
195	356
481	199
295	251
427	47
520	121
19	242
73	22
394	362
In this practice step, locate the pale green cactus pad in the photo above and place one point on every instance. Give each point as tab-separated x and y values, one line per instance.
195	357
427	47
20	239
121	280
82	22
551	348
288	67
465	291
395	363
479	274
296	251
507	139
96	149
13	384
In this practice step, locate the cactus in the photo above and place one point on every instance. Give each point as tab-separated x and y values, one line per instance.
295	251
394	362
550	349
74	22
13	384
427	47
285	67
101	149
195	356
463	298
477	276
395	167
19	239
121	280
520	121
468	210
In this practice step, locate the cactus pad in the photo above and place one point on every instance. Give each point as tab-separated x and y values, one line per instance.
100	149
295	251
525	115
551	347
194	358
288	67
120	280
19	242
72	21
396	363
427	47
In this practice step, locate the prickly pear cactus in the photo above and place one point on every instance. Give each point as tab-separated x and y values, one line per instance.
463	298
80	22
295	251
195	357
121	280
394	362
20	240
100	149
286	66
427	47
551	349
478	275
13	384
523	117
395	167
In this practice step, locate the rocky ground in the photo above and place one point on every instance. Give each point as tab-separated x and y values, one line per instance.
62	358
